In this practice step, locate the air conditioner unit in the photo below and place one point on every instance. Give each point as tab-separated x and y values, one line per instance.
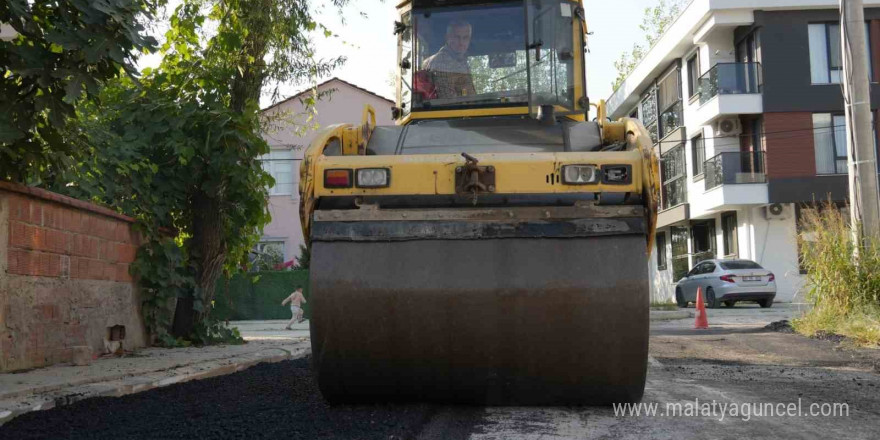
728	127
776	211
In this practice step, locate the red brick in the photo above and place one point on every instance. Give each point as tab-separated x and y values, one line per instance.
20	234
122	273
102	248
109	230
23	262
39	240
36	215
96	226
79	268
57	241
84	221
109	271
52	216
67	219
19	208
96	269
123	233
127	253
111	252
50	265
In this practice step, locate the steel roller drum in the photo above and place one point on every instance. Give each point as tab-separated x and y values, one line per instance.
518	320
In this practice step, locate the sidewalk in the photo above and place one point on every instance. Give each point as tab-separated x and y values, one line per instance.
149	368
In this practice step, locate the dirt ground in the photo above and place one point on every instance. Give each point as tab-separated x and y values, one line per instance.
736	363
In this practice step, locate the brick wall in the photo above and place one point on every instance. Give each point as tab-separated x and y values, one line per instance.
65	278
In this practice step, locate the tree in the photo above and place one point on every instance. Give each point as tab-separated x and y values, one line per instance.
655	21
64	51
180	150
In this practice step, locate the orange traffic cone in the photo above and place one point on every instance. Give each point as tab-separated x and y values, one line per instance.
701	322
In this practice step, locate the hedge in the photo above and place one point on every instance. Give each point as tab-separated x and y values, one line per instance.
258	295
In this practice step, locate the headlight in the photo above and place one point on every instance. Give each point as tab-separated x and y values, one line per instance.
373	178
579	174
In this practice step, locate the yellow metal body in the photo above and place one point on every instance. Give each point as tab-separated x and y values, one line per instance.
523	173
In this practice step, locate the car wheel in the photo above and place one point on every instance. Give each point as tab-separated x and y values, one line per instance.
711	302
679	298
729	304
765	303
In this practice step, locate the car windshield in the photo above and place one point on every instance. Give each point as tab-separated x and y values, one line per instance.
485	55
740	264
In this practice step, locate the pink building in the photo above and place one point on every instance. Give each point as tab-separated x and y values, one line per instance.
290	135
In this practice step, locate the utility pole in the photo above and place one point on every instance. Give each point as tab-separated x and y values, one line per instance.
861	151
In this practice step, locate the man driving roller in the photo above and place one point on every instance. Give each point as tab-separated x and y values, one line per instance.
448	67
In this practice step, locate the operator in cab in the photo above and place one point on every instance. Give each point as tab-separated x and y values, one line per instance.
448	67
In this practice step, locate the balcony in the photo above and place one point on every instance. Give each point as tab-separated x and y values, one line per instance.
729	89
730	79
734	168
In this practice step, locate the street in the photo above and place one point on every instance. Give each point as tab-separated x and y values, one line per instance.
737	362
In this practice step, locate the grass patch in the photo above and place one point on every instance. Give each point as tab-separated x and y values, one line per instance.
844	290
666	305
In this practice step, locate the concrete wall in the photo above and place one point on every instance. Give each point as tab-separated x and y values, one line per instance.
63	278
344	103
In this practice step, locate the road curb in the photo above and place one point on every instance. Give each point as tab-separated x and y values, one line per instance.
117	387
667	315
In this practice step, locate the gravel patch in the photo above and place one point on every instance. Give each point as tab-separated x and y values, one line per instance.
782	326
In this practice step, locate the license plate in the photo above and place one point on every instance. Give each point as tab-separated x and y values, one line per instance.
751	278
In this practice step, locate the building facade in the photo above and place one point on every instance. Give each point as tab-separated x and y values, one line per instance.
288	136
744	103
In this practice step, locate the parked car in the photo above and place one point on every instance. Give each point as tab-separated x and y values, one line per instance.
727	282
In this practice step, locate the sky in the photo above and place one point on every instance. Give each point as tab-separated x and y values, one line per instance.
367	42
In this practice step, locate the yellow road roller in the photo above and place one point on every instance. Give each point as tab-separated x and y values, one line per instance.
491	247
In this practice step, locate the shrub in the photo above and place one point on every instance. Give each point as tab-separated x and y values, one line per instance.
843	277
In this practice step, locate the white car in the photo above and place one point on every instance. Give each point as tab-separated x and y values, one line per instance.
727	282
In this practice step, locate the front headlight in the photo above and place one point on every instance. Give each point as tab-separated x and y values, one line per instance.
373	178
579	174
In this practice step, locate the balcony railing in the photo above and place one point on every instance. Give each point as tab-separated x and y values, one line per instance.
734	168
730	79
674	193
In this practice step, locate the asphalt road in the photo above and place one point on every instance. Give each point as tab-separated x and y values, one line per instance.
737	363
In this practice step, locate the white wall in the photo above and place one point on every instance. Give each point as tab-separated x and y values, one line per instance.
774	246
662	284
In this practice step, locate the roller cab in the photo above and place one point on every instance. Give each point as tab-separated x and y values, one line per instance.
490	248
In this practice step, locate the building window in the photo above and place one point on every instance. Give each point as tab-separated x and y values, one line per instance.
669	102
698	153
728	232
673	175
648	113
825	61
829	138
680	265
703	234
280	165
693	73
661	251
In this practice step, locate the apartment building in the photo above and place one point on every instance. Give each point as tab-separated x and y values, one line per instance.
744	103
289	136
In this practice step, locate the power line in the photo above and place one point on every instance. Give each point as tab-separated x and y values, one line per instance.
763	133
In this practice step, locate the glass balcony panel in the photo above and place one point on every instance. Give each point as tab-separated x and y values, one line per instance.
730	79
734	168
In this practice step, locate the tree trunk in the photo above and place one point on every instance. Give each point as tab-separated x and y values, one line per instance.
207	249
